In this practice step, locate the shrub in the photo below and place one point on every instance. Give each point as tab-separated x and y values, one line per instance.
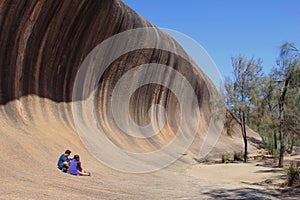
238	156
225	158
293	175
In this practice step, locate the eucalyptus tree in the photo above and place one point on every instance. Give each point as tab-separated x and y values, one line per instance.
287	76
241	91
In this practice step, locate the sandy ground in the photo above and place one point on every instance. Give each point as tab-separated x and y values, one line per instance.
254	180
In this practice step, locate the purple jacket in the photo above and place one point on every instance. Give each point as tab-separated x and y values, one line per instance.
75	166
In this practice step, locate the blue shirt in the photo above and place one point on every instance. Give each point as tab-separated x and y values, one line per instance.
61	160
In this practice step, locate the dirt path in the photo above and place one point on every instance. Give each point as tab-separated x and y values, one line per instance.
253	180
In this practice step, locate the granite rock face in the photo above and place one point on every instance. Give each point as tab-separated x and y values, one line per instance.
44	42
43	46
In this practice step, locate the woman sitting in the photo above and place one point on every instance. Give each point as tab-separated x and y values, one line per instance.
76	169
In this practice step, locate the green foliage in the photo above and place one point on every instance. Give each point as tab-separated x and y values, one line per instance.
269	144
241	88
241	91
269	104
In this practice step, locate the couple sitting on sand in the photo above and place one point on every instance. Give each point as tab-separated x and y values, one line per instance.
72	166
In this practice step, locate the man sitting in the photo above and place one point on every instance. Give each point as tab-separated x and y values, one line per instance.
64	161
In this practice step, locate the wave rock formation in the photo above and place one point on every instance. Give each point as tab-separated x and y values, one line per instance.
44	103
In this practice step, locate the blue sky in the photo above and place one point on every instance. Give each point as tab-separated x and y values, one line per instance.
227	28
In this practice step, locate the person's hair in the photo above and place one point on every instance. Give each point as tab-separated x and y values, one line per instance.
67	152
76	157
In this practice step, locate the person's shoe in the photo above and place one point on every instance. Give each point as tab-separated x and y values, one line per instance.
89	173
64	170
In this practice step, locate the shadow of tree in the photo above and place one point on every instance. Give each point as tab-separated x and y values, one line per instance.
268	165
270	171
251	193
255	141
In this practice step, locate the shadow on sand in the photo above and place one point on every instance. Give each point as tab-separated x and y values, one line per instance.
251	193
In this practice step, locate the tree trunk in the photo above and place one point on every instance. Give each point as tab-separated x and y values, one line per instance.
246	149
275	140
292	144
282	146
281	117
243	127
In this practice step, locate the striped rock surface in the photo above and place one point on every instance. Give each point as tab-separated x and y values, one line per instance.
61	62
